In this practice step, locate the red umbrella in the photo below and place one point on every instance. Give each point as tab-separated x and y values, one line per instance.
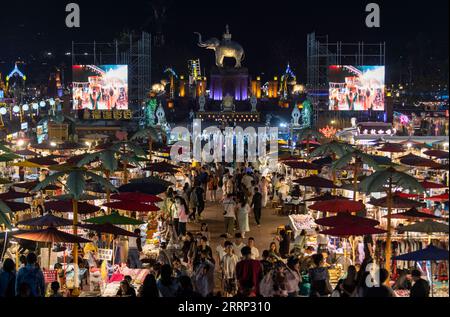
131	206
16	206
412	213
12	194
33	184
338	205
50	234
138	197
25	152
431	185
315	181
414	160
406	195
162	167
397	202
325	197
301	165
442	197
48	220
345	219
392	148
108	228
437	154
355	230
42	161
67	206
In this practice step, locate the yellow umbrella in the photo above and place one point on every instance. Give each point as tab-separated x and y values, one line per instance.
26	164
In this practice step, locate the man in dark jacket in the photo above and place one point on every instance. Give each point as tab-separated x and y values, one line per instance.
257	205
421	287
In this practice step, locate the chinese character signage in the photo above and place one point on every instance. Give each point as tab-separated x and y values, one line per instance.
88	114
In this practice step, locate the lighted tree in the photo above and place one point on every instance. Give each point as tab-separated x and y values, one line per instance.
306	114
150	112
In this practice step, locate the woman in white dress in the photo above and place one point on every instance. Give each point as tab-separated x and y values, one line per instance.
243	211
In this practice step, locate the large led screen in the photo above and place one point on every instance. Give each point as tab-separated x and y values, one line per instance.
356	88
100	87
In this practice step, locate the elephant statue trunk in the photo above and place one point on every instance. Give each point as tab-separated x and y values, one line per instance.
200	42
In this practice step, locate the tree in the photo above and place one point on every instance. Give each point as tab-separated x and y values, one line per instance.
389	179
306	134
75	185
359	157
151	134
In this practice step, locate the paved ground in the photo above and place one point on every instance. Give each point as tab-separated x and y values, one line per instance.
213	216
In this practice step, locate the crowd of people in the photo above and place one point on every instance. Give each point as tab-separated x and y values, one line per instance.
187	265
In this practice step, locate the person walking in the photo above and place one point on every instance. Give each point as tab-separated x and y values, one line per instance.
30	278
256	204
229	214
228	265
242	216
319	278
134	250
249	271
8	279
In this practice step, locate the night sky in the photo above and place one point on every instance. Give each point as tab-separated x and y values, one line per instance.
272	33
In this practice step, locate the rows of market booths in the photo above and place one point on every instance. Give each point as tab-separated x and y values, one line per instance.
39	215
386	199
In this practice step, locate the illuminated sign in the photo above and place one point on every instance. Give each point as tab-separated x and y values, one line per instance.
100	87
107	114
356	88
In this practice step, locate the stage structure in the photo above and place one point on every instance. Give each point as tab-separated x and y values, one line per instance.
321	55
131	50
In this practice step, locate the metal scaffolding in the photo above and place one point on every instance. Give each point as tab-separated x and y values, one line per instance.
131	50
321	54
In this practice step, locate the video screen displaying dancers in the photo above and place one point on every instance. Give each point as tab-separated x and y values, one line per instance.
356	88
100	87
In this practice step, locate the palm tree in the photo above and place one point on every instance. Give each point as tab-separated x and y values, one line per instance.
334	149
4	218
151	134
306	134
110	159
359	157
75	186
388	179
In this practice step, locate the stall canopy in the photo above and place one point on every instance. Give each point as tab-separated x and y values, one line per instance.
33	184
150	185
67	206
315	181
437	154
50	234
325	197
338	205
108	228
427	226
301	165
392	148
12	194
431	185
115	219
412	213
17	206
345	219
25	152
439	198
356	230
430	253
397	202
137	197
130	205
161	167
48	220
418	161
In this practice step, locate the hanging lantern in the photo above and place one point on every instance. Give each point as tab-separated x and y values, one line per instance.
25	107
16	109
3	111
42	104
35	106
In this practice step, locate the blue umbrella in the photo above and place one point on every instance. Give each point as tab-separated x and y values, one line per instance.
430	253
